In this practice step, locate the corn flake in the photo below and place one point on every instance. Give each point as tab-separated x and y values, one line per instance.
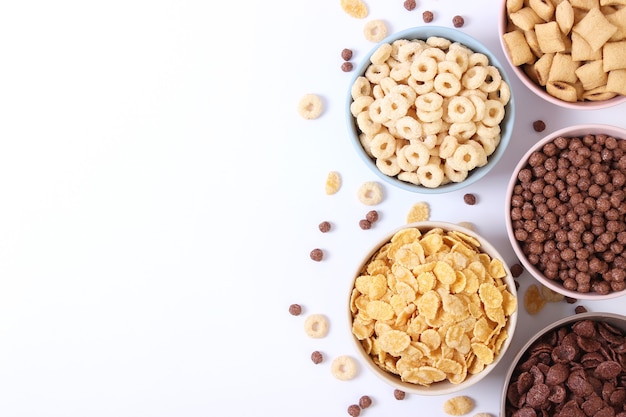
419	212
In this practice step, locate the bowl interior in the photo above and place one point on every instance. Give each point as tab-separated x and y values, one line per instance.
615	320
506	125
539	90
573	131
442	387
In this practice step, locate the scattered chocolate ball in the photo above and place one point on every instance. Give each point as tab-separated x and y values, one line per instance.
347	66
365	401
580	309
325	227
346	54
295	309
317	357
317	255
428	16
469	199
372	216
539	125
365	224
410	4
517	270
399	394
354	410
570	300
458	21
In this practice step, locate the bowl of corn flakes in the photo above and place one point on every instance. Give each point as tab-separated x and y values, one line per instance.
566	211
429	110
569	53
573	366
432	308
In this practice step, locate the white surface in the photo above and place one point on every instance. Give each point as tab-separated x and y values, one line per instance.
160	196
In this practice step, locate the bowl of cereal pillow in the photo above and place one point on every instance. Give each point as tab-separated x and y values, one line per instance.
572	367
565	209
429	110
569	53
432	308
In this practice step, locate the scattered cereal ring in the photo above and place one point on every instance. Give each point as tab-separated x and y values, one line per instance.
355	8
370	193
316	326
375	30
310	106
344	368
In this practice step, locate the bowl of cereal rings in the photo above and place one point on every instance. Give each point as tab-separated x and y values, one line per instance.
565	208
569	53
572	367
432	308
430	110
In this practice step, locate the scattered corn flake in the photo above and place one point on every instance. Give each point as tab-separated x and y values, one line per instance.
419	212
333	182
355	8
457	406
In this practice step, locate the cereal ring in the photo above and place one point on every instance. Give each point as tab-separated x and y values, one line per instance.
408	128
406	91
310	106
431	140
370	193
377	112
494	113
361	87
460	109
387	85
424	68
366	124
360	104
430	175
316	326
502	94
396	45
434	53
365	141
453	174
479	107
447	84
465	157
410	177
448	146
478	59
462	130
417	154
432	128
395	105
482	155
388	166
438	42
429	116
383	145
409	51
403	163
378	92
381	54
401	71
488	143
459	56
429	102
492	80
474	77
420	87
450	67
375	30
375	73
344	368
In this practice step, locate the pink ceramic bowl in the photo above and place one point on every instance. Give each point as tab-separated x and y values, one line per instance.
563	221
538	89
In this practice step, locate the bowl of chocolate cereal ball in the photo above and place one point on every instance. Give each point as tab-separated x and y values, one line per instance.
569	53
565	208
430	110
575	366
432	308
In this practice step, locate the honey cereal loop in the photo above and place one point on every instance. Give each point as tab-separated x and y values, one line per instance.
375	30
316	326
310	106
344	368
355	8
458	406
333	183
370	193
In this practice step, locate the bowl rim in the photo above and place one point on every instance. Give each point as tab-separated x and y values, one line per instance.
540	91
444	387
506	125
611	318
574	130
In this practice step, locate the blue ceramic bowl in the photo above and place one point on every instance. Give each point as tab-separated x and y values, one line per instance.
506	124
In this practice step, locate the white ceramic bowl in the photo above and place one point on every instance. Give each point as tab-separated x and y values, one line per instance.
615	321
537	89
506	125
445	386
556	285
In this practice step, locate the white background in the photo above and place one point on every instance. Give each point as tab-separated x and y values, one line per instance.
160	195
